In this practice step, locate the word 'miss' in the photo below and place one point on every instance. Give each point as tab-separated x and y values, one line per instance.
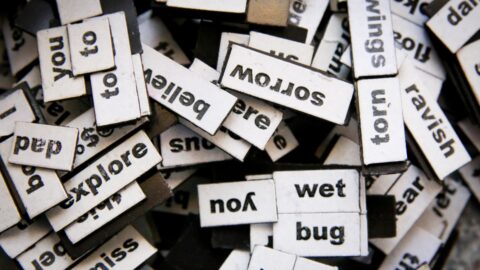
372	38
44	146
429	126
185	92
104	177
287	84
237	203
456	22
58	81
126	250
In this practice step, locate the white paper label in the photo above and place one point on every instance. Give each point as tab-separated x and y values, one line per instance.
17	239
317	191
104	177
39	189
90	46
261	234
381	121
155	34
237	203
92	140
413	193
432	83
224	139
8	209
181	147
114	92
305	264
443	213
380	184
287	84
350	131
204	71
416	248
58	81
455	23
237	260
429	126
281	143
143	99
415	41
344	152
319	234
267	258
177	177
32	78
283	48
253	120
413	11
21	47
187	93
48	252
232	6
44	146
250	118
61	112
72	10
14	108
128	249
185	198
106	211
373	49
469	59
225	40
333	44
307	14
